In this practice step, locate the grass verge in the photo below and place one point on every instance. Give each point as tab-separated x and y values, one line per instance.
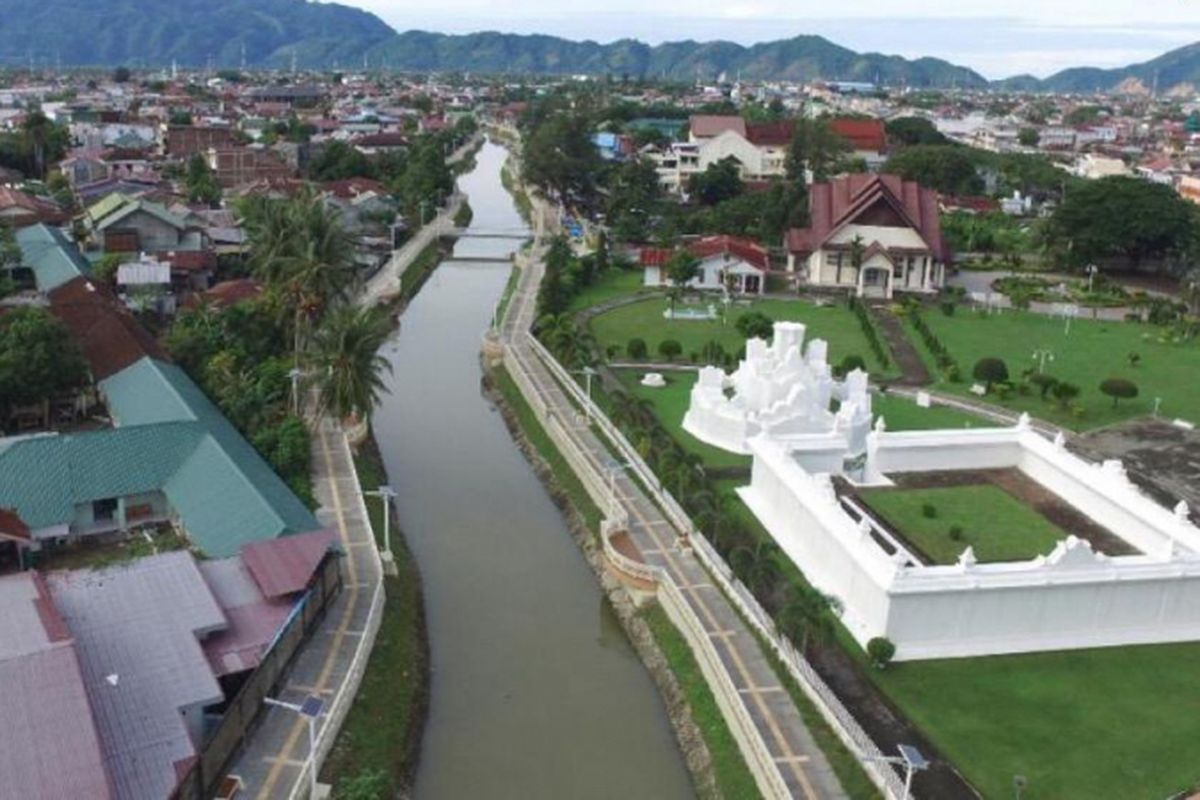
729	768
377	749
414	277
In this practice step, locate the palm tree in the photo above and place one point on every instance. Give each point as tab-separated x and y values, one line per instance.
755	565
349	368
806	617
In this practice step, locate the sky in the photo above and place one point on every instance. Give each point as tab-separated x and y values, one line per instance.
998	39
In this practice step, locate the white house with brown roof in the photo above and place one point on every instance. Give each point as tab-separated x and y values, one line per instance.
873	234
725	262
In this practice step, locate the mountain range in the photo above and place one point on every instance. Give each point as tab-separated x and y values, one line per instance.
229	33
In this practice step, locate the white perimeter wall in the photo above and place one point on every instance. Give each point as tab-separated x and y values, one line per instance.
1072	598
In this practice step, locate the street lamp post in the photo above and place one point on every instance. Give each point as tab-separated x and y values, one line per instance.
386	494
295	373
588	373
1042	355
1092	269
310	709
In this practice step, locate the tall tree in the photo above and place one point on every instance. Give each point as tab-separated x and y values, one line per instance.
347	363
38	357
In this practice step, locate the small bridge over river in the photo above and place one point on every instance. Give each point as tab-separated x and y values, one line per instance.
515	234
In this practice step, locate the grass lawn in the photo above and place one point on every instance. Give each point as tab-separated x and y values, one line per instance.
1113	722
378	744
903	414
996	524
670	404
612	284
834	323
729	768
1091	352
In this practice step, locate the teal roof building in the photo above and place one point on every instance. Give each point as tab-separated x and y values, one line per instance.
52	257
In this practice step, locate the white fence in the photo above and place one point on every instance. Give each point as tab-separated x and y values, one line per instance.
348	690
831	708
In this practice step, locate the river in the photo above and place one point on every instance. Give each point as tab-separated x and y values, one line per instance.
536	692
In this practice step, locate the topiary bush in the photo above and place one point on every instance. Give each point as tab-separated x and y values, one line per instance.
990	370
636	349
881	651
1119	389
670	349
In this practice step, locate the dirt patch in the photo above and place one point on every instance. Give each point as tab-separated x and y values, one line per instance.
886	726
1030	493
1160	458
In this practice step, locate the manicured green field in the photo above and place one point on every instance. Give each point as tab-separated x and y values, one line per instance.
995	523
612	284
834	323
1091	352
670	404
1079	725
903	414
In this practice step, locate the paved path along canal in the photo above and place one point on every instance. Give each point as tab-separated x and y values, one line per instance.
535	690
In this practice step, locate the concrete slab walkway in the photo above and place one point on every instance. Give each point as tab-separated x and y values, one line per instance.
273	762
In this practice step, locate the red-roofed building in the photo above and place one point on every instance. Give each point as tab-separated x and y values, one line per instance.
867	138
741	262
875	234
227	293
18	209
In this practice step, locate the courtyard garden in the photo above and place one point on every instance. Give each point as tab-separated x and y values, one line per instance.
942	522
1159	362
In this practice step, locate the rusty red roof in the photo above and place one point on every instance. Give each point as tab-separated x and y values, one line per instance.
771	134
12	526
863	134
109	335
844	200
284	565
748	251
706	126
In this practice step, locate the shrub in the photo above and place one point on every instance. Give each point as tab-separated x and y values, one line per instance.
948	307
1119	389
754	324
928	510
956	533
849	364
1134	359
1064	392
637	349
864	321
612	351
990	370
880	651
1043	382
954	374
670	349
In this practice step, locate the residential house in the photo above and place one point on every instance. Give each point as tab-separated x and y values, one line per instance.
872	234
867	138
1189	188
237	166
19	209
1093	166
184	141
725	262
120	224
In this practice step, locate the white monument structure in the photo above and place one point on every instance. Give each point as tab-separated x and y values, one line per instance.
776	407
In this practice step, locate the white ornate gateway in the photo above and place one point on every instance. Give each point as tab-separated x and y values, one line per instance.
776	408
785	391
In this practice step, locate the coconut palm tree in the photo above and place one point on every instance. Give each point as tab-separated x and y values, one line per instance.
348	367
755	565
806	617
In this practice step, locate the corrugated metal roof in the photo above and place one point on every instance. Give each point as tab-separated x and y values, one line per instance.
141	622
53	259
284	566
44	477
254	621
49	744
225	492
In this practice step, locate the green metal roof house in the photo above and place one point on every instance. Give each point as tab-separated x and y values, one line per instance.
171	455
52	257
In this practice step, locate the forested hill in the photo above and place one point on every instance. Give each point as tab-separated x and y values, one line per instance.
192	32
227	33
797	59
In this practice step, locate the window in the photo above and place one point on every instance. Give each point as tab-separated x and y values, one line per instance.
104	510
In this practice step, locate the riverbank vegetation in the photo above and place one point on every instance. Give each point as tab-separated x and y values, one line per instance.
375	754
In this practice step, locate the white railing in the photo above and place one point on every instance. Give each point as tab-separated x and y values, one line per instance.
343	699
832	709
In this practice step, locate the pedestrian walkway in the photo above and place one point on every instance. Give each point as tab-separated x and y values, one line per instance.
797	766
912	367
274	761
385	284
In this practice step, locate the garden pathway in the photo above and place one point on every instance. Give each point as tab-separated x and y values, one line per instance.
912	366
